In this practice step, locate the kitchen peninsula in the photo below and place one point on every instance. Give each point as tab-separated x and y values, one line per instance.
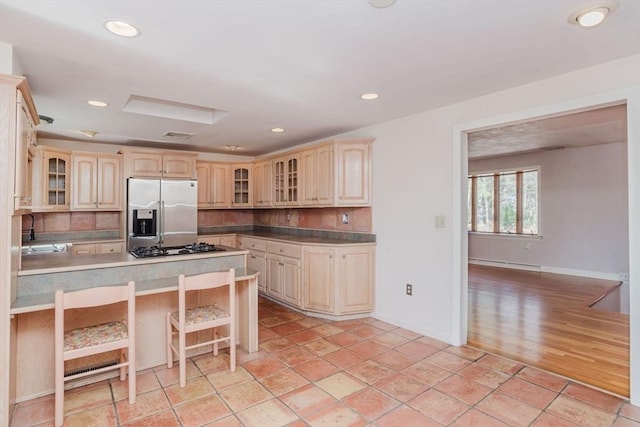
156	294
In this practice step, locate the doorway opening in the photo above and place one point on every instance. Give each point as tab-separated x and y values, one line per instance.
564	145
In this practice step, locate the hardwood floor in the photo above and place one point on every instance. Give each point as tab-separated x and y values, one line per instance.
544	320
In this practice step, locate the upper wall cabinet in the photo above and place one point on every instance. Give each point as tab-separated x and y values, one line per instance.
51	179
18	119
25	150
156	164
331	173
96	182
263	184
353	177
317	176
286	180
214	186
241	183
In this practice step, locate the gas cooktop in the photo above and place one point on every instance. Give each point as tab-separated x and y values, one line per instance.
157	251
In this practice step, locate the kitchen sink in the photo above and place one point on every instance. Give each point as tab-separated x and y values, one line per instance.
50	248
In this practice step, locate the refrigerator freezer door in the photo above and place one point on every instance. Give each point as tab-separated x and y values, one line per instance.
178	212
143	195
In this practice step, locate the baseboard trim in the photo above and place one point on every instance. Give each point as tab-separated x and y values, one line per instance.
546	269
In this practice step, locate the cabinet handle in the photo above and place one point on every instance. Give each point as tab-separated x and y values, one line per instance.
253	257
281	264
330	256
344	257
281	250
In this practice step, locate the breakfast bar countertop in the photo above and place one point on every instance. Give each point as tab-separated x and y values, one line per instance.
62	262
44	301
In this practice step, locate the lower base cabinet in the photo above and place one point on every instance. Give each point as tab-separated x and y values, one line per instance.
319	273
339	280
257	261
332	280
97	248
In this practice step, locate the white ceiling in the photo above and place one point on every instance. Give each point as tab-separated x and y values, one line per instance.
592	127
296	64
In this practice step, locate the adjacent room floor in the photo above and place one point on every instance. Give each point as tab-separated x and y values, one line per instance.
544	320
311	372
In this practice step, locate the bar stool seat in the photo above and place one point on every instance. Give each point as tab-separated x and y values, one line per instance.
206	315
114	335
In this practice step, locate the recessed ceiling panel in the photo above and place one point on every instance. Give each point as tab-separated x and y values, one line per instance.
172	110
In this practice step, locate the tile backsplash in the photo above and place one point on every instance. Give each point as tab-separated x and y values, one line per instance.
315	219
50	222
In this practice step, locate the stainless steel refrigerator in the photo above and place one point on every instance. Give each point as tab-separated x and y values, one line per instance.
161	212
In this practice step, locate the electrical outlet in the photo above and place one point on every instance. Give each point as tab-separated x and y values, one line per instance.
623	277
345	218
409	289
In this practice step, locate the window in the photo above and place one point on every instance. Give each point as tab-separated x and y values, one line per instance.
504	202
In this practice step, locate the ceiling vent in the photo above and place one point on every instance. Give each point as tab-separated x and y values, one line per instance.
178	135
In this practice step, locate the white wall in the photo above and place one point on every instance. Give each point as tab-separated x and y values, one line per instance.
583	213
8	62
414	162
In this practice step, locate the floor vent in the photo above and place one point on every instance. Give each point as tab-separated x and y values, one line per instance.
85	369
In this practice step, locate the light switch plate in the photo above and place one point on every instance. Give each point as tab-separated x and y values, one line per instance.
440	221
345	218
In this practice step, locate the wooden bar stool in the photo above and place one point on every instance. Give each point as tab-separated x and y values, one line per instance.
94	339
205	316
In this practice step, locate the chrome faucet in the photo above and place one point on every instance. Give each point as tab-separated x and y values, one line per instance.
32	231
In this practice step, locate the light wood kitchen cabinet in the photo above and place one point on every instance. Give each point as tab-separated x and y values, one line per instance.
96	182
156	164
25	144
213	185
241	183
97	248
319	277
257	259
317	176
356	279
224	240
263	183
353	175
339	280
286	180
283	270
331	173
51	179
328	280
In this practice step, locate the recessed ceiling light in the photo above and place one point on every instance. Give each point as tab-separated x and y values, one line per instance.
593	16
89	133
121	28
277	130
233	147
369	96
97	103
381	3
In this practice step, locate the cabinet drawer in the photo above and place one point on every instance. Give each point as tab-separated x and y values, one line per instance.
88	249
292	251
109	248
254	244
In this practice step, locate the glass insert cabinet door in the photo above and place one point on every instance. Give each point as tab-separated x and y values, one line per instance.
57	176
241	186
292	179
279	173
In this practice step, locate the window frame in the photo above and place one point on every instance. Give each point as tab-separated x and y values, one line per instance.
496	173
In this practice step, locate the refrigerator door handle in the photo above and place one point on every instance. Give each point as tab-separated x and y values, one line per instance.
161	222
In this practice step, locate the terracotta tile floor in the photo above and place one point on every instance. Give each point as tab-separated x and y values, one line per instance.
312	372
